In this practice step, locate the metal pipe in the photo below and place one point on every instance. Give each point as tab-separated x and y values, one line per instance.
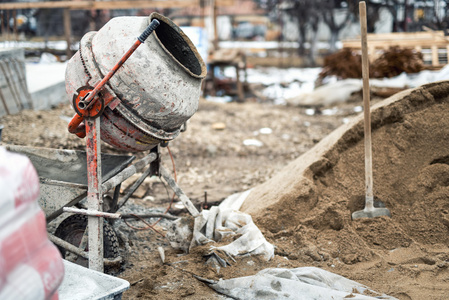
128	172
184	199
134	187
94	194
84	254
146	216
68	246
92	213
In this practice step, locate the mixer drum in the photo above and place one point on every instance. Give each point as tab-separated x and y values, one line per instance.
155	91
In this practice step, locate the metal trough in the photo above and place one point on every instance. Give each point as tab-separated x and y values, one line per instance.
83	284
63	175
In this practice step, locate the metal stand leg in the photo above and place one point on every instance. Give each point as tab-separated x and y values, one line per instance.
94	194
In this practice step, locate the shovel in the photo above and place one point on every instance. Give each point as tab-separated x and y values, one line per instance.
369	211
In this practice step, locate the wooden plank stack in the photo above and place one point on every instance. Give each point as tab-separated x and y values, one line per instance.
434	45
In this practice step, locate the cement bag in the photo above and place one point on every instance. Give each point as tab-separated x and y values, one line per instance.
300	283
31	266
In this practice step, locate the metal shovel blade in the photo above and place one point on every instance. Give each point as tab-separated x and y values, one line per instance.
370	211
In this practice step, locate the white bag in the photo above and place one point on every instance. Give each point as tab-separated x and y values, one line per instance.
31	266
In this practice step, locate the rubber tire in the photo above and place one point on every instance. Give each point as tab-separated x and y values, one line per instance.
72	229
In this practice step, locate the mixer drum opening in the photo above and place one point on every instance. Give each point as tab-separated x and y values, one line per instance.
176	45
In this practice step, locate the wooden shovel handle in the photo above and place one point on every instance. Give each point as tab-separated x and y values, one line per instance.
366	105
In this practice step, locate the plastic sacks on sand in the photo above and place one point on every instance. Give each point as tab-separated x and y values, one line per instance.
30	265
221	223
300	283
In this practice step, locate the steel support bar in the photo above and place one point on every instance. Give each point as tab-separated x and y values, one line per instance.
135	186
184	199
128	172
90	212
58	212
94	194
147	216
69	247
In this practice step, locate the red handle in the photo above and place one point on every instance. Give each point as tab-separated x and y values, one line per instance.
81	135
76	127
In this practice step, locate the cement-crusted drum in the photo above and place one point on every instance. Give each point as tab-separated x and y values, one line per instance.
156	90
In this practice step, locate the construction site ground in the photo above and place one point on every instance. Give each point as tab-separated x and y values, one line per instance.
230	148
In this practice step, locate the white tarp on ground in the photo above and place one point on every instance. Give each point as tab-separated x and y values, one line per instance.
214	225
335	91
306	283
301	283
296	86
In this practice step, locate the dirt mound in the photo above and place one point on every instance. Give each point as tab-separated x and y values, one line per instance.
347	63
306	209
396	61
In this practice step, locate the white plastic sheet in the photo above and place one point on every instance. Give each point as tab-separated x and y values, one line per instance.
301	283
214	225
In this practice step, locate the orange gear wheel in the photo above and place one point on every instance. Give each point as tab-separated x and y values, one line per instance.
95	110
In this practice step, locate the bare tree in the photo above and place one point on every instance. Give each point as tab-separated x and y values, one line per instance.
328	10
440	17
306	13
373	12
393	8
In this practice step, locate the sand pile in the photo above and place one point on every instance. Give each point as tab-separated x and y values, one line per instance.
306	209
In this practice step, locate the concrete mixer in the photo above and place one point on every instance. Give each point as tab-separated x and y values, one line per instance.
149	96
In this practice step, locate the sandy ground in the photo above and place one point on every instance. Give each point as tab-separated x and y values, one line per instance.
211	157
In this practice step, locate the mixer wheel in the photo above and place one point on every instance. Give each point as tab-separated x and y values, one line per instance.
72	230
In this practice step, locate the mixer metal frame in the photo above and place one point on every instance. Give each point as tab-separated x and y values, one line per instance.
89	104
